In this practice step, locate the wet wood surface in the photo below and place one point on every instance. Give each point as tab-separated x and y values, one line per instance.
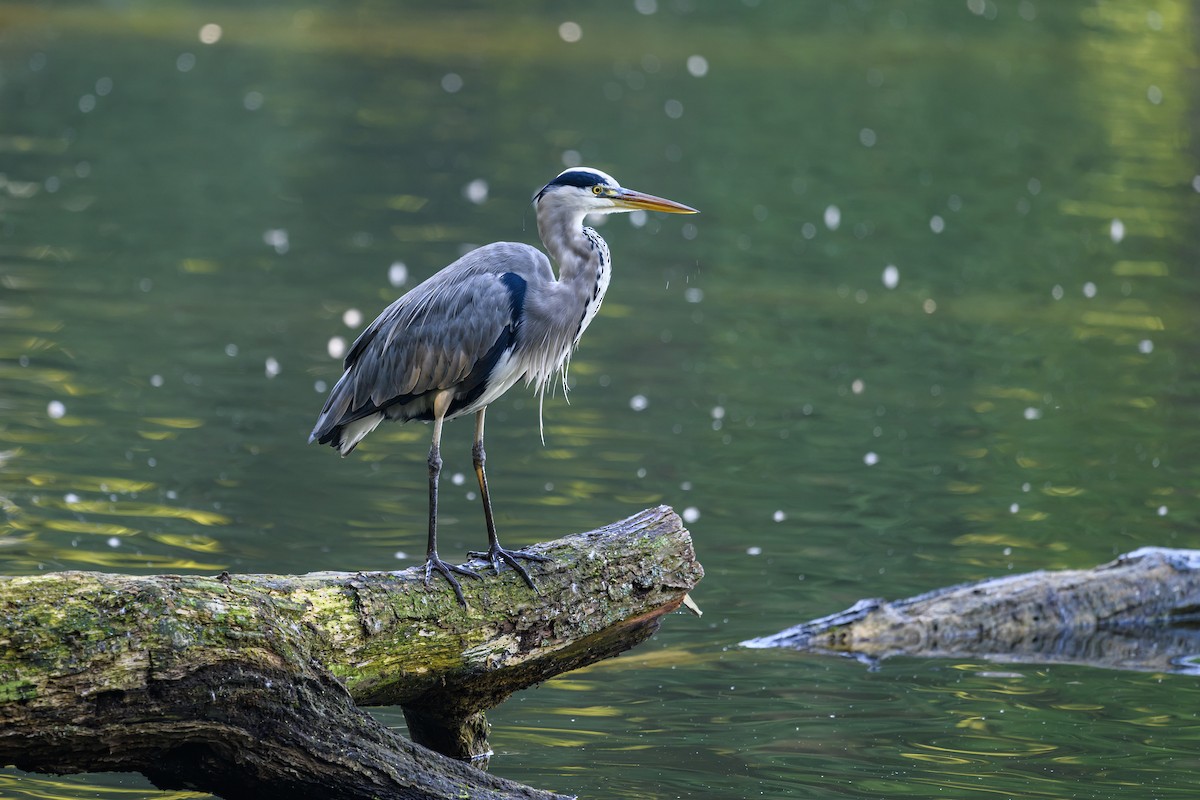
253	685
1139	612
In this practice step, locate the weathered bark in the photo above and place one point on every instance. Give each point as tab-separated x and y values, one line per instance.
248	685
1138	612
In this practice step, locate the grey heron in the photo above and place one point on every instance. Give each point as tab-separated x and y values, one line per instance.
459	340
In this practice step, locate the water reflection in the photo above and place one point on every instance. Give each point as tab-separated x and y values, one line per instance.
124	787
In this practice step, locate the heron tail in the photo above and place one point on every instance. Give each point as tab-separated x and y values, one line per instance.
338	426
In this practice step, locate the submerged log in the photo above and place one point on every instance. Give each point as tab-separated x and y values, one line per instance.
1138	612
250	685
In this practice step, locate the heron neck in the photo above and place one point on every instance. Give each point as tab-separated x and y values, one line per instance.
558	314
580	253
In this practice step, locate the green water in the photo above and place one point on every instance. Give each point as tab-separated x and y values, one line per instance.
184	225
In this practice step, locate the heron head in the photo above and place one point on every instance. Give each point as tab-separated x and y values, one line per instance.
594	192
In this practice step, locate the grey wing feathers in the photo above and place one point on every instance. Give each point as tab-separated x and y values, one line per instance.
434	337
434	346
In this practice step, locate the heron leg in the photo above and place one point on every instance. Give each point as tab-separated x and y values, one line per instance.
433	563
495	553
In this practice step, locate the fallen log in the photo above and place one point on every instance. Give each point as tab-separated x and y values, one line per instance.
1139	612
250	686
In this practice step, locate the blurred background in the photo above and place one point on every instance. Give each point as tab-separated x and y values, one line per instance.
937	322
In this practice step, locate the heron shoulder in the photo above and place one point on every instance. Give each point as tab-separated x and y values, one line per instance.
499	258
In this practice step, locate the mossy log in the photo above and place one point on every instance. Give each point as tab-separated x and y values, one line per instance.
1138	612
250	686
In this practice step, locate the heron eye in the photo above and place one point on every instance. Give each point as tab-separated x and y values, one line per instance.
597	189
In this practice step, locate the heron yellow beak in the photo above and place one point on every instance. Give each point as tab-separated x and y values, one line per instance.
628	198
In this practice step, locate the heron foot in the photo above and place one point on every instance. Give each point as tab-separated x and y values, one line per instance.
447	570
495	554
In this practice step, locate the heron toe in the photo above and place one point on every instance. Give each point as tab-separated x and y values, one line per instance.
447	570
495	554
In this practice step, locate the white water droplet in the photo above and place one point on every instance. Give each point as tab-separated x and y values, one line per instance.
476	191
1116	229
278	239
210	33
570	32
891	276
833	217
